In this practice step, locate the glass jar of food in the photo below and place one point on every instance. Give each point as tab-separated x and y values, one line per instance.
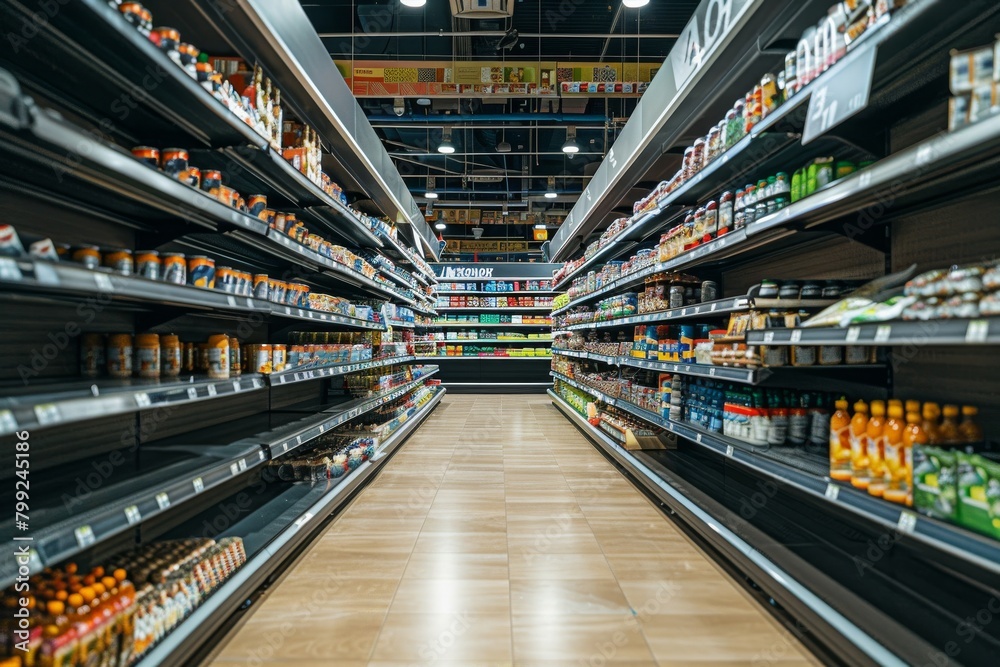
725	213
711	221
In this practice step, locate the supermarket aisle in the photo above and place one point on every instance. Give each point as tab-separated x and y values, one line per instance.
498	535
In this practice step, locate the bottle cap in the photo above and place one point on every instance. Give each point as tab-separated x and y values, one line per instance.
970	410
896	411
878	408
951	411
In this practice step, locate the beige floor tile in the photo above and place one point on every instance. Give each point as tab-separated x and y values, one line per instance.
566	597
547	566
451	596
478	566
348	636
586	638
464	542
745	637
459	637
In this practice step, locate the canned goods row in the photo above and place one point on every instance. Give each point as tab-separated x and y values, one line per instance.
152	356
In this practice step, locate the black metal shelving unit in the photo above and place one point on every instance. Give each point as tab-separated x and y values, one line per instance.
807	543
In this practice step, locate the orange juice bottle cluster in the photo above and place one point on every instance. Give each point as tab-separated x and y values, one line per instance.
873	447
111	616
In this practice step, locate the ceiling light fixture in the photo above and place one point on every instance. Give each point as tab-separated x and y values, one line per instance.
446	146
571	146
440	226
551	192
431	184
504	147
421	3
635	4
540	225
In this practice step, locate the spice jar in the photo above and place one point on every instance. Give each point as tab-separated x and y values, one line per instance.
174	162
698	156
791	73
147	355
731	138
714	144
148	264
699	225
739	210
174	268
190	357
769	94
120	261
170	355
235	365
725	213
148	155
211	179
92	359
688	170
750	204
88	255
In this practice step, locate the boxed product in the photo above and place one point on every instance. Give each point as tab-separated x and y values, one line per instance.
979	494
972	68
935	476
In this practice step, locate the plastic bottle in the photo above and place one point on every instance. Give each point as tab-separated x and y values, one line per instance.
777	412
819	421
931	421
896	489
798	417
840	442
875	436
969	431
948	432
914	436
860	476
59	645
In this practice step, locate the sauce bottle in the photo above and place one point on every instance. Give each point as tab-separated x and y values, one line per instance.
931	419
59	646
948	432
914	436
875	437
840	442
969	431
896	488
860	476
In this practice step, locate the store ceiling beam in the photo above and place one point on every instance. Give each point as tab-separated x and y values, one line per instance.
491	153
497	33
729	50
279	35
457	120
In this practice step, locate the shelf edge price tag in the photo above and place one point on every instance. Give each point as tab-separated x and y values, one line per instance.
243	465
132	515
142	399
162	500
8	422
103	282
302	520
234	469
883	333
907	522
34	561
84	536
768	336
795	336
977	332
199	484
231	300
832	491
729	450
853	334
47	413
212	391
844	92
192	393
236	385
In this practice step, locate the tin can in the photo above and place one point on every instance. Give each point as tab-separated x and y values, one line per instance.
279	357
235	367
64	251
268	217
676	296
174	162
148	264
257	205
147	355
44	249
120	261
170	355
260	286
201	358
225	279
189	55
280	222
218	356
291	294
145	22
247	282
278	288
190	359
211	179
174	268
203	73
259	358
92	359
118	354
147	155
201	271
709	291
192	176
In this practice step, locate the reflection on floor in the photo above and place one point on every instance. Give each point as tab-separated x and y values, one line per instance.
497	536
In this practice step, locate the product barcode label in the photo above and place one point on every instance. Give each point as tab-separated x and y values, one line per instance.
142	399
907	522
977	332
84	536
47	413
924	155
132	515
162	500
883	333
212	391
832	491
711	372
853	333
199	484
795	336
302	520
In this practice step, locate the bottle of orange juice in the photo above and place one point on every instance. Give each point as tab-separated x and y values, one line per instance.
875	436
896	488
914	436
860	475
840	442
948	431
969	431
930	424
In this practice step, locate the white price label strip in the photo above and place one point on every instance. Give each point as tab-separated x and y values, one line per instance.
977	332
907	522
8	422
853	333
795	336
302	520
212	391
236	385
103	282
84	536
199	484
883	333
142	399
234	468
192	393
730	451
163	500
132	515
832	491
243	464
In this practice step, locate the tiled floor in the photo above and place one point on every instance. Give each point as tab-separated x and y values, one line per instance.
496	536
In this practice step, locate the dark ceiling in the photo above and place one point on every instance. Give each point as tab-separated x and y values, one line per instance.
552	30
